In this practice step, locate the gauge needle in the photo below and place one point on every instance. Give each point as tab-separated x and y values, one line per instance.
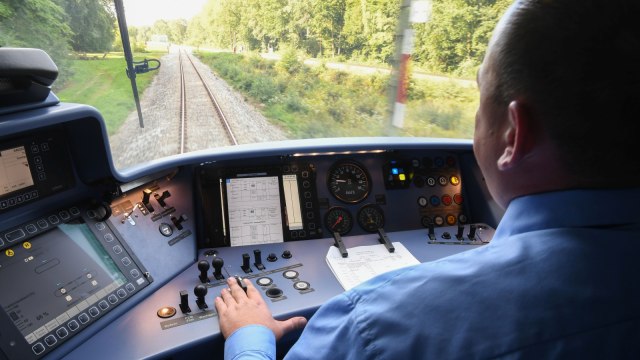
339	181
337	222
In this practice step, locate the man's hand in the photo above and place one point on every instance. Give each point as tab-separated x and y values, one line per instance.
237	309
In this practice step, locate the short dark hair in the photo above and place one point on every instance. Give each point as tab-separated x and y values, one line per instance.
577	63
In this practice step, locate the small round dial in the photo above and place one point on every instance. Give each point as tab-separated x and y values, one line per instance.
371	218
338	219
349	182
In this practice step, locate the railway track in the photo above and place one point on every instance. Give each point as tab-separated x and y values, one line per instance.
194	118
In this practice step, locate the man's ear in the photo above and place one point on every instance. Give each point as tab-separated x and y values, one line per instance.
519	136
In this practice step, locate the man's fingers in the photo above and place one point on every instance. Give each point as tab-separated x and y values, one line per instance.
227	297
220	305
236	291
295	323
252	292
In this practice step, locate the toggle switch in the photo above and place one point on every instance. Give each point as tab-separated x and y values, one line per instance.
146	196
432	233
257	255
460	233
177	221
184	302
161	198
246	267
472	231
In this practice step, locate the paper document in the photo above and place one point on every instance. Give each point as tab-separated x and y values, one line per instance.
365	262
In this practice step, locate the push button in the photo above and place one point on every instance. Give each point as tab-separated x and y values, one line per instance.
50	340
73	325
94	311
38	348
103	305
62	333
14	235
84	318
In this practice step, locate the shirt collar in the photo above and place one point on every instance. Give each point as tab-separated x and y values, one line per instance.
571	208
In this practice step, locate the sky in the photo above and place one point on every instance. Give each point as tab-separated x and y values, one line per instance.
146	12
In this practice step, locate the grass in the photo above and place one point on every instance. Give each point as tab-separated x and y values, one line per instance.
319	102
103	84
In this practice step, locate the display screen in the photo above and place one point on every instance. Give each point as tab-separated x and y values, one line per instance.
62	273
254	210
14	170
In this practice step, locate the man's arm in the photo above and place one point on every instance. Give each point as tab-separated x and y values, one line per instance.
237	311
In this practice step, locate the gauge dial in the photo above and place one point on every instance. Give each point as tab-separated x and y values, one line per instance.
338	219
371	218
349	182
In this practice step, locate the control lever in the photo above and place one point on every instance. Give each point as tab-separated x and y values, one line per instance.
146	196
203	266
217	263
432	233
460	233
257	254
246	267
472	231
184	302
339	244
160	198
383	239
200	291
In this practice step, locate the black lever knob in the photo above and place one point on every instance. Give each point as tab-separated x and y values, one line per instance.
257	254
200	291
217	263
160	198
177	221
203	266
246	267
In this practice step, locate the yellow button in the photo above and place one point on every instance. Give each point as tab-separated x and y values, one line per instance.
402	177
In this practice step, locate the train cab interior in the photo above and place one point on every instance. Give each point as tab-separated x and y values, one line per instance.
105	262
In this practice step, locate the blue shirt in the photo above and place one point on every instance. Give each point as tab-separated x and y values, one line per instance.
559	279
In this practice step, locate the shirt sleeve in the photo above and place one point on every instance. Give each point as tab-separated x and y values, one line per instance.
334	332
251	342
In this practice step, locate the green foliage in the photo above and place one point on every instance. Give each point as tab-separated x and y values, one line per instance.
92	23
318	102
47	28
453	41
290	62
104	85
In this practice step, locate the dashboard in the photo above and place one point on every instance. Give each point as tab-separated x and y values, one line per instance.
99	263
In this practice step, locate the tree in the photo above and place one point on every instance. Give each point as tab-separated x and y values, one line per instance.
456	38
92	23
47	28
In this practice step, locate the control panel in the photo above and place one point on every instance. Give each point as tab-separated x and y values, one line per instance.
33	167
61	273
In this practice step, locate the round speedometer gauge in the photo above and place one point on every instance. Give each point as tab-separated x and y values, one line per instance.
349	182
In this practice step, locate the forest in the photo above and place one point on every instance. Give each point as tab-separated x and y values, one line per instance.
452	42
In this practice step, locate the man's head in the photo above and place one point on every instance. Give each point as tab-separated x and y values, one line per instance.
560	98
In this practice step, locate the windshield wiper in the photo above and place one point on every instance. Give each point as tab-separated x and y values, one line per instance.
133	68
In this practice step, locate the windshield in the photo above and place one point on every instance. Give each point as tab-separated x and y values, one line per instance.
213	73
